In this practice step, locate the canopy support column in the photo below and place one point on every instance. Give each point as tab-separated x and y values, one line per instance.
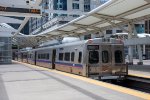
140	55
144	52
130	54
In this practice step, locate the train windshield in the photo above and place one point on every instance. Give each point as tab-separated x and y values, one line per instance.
118	56
93	57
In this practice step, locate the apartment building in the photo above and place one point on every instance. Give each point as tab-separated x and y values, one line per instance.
58	12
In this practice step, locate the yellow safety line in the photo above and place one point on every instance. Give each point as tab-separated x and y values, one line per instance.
139	75
136	93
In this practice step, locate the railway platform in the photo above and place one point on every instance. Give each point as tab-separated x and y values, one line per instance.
20	81
140	70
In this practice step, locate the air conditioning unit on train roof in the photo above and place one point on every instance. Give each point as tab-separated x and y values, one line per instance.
70	39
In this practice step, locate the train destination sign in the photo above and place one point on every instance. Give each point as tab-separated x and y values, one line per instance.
20	10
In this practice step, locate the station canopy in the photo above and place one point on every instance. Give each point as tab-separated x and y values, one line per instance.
114	13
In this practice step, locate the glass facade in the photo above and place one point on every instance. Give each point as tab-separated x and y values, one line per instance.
139	28
5	50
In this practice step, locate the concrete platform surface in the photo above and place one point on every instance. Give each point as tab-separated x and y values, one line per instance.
25	82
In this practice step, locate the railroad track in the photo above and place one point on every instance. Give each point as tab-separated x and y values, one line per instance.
134	82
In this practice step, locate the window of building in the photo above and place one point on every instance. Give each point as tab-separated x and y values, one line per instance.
118	31
103	1
93	57
108	31
118	56
61	55
87	8
75	6
72	56
105	56
76	15
67	56
80	57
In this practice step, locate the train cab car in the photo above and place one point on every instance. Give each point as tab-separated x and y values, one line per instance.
106	58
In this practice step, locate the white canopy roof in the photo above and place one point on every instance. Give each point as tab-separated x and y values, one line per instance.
114	13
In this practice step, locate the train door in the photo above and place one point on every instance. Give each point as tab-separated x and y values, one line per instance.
35	55
118	54
118	61
53	58
93	60
106	60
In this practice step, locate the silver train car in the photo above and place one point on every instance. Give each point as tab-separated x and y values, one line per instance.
100	57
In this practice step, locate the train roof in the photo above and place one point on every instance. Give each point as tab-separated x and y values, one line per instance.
82	42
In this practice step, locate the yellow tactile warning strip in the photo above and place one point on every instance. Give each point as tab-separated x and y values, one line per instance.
136	93
139	75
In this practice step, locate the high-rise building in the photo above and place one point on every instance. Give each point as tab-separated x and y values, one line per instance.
58	12
25	29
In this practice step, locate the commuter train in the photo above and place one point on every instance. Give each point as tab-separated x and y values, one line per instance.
97	57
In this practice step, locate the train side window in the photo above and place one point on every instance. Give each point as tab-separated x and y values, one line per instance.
105	56
118	56
41	56
30	55
80	57
72	56
47	55
93	57
38	56
67	56
61	55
